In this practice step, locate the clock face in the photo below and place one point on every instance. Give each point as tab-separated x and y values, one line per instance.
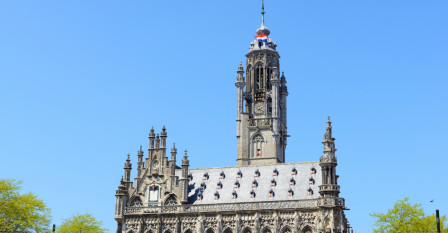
259	108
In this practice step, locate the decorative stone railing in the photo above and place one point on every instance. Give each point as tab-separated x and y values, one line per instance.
329	187
329	202
260	122
231	207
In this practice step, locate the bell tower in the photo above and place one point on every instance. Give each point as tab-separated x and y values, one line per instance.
261	103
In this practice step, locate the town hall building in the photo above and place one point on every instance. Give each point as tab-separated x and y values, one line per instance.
261	193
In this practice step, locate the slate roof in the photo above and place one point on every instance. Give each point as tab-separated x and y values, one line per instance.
263	188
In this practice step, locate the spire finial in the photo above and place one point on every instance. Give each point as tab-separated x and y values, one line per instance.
262	12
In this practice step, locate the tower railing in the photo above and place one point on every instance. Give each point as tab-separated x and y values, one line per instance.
260	122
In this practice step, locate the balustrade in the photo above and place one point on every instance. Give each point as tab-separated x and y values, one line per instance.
301	204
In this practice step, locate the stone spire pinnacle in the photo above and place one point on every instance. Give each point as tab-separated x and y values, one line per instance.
263	30
329	147
185	161
262	13
174	148
240	77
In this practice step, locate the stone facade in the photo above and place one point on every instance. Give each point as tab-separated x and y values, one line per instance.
261	194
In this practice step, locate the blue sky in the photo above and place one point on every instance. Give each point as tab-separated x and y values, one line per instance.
82	82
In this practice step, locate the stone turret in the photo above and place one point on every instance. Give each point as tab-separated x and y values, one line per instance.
184	179
140	164
122	197
163	136
127	172
328	163
172	166
152	136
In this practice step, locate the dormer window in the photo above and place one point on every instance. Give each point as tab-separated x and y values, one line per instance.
275	172
273	183
206	176
234	194
200	196
290	192
222	176
239	174
311	181
271	193
254	184
252	194
237	184
190	177
313	171
257	173
216	195
292	182
310	192
219	186
294	171
203	186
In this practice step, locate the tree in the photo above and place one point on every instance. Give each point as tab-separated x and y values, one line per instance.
81	223
405	217
21	212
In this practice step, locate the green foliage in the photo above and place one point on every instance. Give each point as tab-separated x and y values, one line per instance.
21	212
81	223
407	218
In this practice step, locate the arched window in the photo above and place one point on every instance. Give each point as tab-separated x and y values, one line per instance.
228	230
286	230
266	230
136	202
249	77
210	231
268	77
307	229
258	76
154	195
171	200
257	143
247	230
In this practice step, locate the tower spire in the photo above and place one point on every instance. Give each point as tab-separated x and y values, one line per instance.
262	13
